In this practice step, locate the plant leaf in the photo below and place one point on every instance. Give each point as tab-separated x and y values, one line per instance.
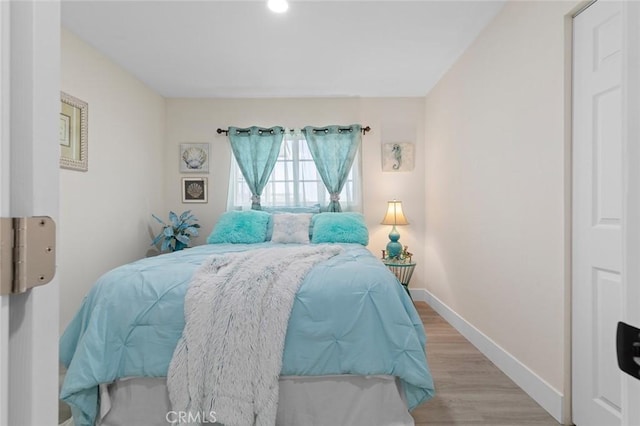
191	230
183	239
184	215
157	239
173	218
168	231
158	219
165	245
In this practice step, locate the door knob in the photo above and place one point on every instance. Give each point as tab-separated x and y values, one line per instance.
628	349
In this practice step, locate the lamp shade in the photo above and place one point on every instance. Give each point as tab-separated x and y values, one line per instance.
394	215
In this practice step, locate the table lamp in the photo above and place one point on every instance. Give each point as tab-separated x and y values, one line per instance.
394	217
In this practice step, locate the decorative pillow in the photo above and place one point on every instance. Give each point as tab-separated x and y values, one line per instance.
239	227
291	228
348	227
312	209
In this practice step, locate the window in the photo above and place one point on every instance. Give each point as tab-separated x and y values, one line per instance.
294	182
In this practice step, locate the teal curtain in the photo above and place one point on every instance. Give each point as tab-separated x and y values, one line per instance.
256	150
333	149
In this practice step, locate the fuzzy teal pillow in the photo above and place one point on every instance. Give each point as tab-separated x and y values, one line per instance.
240	227
348	227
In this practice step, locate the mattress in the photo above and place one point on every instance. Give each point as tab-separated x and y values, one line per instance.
350	316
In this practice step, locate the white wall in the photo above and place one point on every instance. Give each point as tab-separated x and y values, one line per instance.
496	188
391	120
105	212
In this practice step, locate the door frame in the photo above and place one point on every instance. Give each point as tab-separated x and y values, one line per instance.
631	197
30	100
4	204
569	237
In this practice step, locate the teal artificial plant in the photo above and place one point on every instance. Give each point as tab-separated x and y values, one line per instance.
176	234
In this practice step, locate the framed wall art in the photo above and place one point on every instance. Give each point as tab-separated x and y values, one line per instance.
194	158
397	157
73	133
194	190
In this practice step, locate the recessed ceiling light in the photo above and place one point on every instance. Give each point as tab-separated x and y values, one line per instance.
278	6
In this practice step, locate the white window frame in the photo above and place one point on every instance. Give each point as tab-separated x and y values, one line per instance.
239	195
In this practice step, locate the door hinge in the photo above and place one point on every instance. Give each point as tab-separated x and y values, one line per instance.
27	253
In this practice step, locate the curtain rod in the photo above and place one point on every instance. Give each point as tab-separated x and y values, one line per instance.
226	132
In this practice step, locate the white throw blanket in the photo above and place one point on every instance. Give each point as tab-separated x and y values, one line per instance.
229	357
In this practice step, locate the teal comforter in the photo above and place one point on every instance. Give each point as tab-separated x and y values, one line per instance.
350	316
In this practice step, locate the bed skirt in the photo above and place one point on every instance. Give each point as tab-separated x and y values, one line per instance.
319	401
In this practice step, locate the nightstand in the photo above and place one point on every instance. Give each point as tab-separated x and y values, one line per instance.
402	270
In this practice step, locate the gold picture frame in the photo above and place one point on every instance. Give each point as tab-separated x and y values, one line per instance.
73	133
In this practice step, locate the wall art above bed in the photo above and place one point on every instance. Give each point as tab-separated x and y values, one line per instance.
397	157
194	158
194	190
73	133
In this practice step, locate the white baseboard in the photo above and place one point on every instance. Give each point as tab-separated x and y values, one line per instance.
419	294
538	389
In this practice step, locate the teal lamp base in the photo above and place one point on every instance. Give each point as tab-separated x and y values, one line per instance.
394	248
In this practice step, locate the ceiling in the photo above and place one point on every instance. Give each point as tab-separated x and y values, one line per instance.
240	49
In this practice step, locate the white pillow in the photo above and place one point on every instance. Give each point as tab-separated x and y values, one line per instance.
291	227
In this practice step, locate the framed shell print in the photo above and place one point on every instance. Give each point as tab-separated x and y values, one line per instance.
194	158
194	190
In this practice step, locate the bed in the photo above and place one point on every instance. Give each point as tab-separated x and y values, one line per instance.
354	351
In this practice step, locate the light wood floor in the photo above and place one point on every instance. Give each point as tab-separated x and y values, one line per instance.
470	389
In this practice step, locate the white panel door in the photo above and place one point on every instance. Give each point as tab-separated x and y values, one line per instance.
597	214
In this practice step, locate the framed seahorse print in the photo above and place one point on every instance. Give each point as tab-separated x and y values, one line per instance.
398	157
